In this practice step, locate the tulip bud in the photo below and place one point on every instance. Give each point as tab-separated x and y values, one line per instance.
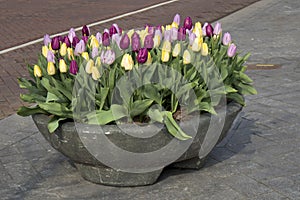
176	50
174	34
73	67
94	42
135	42
167	35
80	47
151	30
156	41
45	51
197	44
231	50
187	57
89	65
218	29
204	49
47	40
174	25
71	35
188	24
85	31
67	41
198	29
176	19
50	57
112	30
37	71
130	33
55	43
142	55
159	28
108	57
85	55
181	34
204	29
125	41
226	39
119	30
209	30
99	38
168	27
62	66
70	53
116	38
149	43
95	52
165	56
95	73
63	49
127	62
149	59
51	68
105	39
192	37
167	46
75	41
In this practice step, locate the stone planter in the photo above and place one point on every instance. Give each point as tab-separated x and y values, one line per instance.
68	139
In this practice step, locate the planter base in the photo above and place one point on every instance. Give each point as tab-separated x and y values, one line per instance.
193	163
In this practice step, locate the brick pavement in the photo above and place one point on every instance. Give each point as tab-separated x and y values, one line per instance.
23	21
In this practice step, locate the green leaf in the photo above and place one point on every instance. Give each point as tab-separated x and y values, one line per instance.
54	123
156	115
246	89
51	97
139	106
58	109
27	111
151	92
32	97
245	78
207	107
229	89
237	98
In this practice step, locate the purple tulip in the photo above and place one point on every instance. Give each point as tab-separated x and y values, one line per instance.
192	37
112	30
226	39
181	33
177	19
106	31
95	52
55	43
167	35
85	31
218	28
60	38
204	29
73	67
71	35
135	42
174	34
75	41
99	37
149	43
209	30
188	24
119	30
231	50
151	30
67	41
80	47
85	39
47	39
50	57
108	57
142	55
125	41
105	39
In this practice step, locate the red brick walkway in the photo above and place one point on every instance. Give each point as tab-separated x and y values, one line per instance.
23	21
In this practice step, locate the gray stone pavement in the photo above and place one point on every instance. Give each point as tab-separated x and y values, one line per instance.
258	160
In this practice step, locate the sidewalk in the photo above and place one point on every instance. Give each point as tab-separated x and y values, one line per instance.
258	160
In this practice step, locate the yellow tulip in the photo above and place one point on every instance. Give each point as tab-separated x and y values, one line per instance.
176	50
70	53
127	62
174	25
168	27
51	68
143	34
165	56
98	62
85	55
149	59
94	42
37	71
89	66
196	46
198	29
156	41
45	51
167	46
95	73
130	33
63	49
204	49
187	57
62	66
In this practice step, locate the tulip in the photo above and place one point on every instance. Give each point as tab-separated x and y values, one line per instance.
89	65
149	43
85	55
188	24
70	53
80	47
176	19
181	34
135	42
50	57
130	33
156	41
176	50
45	51
71	35
47	40
159	28
165	56
67	41
51	68
85	39
62	66
149	59
197	44
98	62
142	34
218	29
112	30
94	42
60	38
168	27
37	71
105	39
125	41
174	34
75	41
174	25
108	57
204	29
151	30
186	57
226	39
119	30
127	62
63	49
231	50
167	35
142	55
73	67
116	38
95	73
167	46
198	29
85	31
158	32
95	52
55	43
192	37
209	30
99	37
204	49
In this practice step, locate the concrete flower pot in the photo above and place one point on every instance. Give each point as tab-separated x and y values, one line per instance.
68	139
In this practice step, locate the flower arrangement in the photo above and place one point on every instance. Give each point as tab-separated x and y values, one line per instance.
156	74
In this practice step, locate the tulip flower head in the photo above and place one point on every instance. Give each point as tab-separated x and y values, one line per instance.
50	57
75	41
176	50
188	24
95	73
124	42
80	48
37	71
218	29
149	43
226	39
196	47
198	29
105	39
135	42
204	29
112	30
165	56
176	19
108	56
99	37
85	31
45	51
70	53
47	40
67	41
187	57
142	55
85	39
167	35
149	59
55	43
62	66
71	35
204	49
156	41
192	37
231	50
95	52
85	55
127	62
174	34
181	33
209	30
51	68
73	67
63	49
89	65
